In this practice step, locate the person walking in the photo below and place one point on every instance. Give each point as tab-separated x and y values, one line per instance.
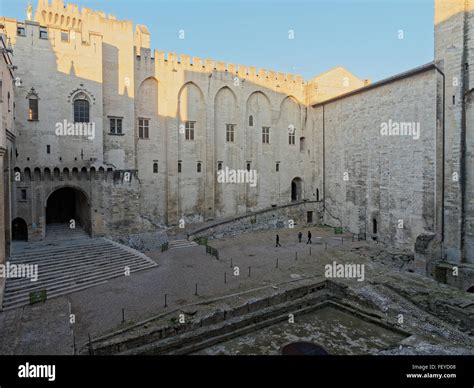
277	241
300	236
309	237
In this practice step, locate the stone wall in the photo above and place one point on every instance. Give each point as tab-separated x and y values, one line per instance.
454	32
370	176
112	199
275	218
104	61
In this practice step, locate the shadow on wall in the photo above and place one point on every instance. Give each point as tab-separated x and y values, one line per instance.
156	145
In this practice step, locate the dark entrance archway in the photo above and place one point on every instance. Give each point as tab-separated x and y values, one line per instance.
19	230
296	189
471	290
66	204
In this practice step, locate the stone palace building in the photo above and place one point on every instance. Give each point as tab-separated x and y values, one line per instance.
99	128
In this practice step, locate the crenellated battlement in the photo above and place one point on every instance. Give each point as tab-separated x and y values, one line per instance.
70	16
197	64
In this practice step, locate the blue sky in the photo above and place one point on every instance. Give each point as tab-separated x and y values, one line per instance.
360	35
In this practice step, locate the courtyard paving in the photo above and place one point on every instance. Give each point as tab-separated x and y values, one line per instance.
121	302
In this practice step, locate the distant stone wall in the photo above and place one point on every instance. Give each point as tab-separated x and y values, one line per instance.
275	218
377	183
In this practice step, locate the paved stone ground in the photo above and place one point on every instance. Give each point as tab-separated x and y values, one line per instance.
45	329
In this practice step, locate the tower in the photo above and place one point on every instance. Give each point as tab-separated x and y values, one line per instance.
454	31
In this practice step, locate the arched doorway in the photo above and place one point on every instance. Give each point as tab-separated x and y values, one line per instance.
470	290
66	204
296	189
19	230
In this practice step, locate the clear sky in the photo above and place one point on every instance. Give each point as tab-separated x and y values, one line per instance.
361	35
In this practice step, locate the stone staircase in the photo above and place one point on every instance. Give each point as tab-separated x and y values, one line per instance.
69	261
182	243
55	232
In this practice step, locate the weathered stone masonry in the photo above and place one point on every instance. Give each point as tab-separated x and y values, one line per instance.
392	188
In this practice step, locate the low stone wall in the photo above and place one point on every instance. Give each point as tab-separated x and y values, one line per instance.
456	275
273	218
149	241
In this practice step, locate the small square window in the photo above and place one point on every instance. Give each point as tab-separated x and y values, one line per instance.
21	31
116	125
65	36
43	34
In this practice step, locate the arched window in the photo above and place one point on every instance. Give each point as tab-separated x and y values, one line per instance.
155	168
81	111
199	167
250	121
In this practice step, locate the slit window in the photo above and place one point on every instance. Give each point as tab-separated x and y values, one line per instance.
291	136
